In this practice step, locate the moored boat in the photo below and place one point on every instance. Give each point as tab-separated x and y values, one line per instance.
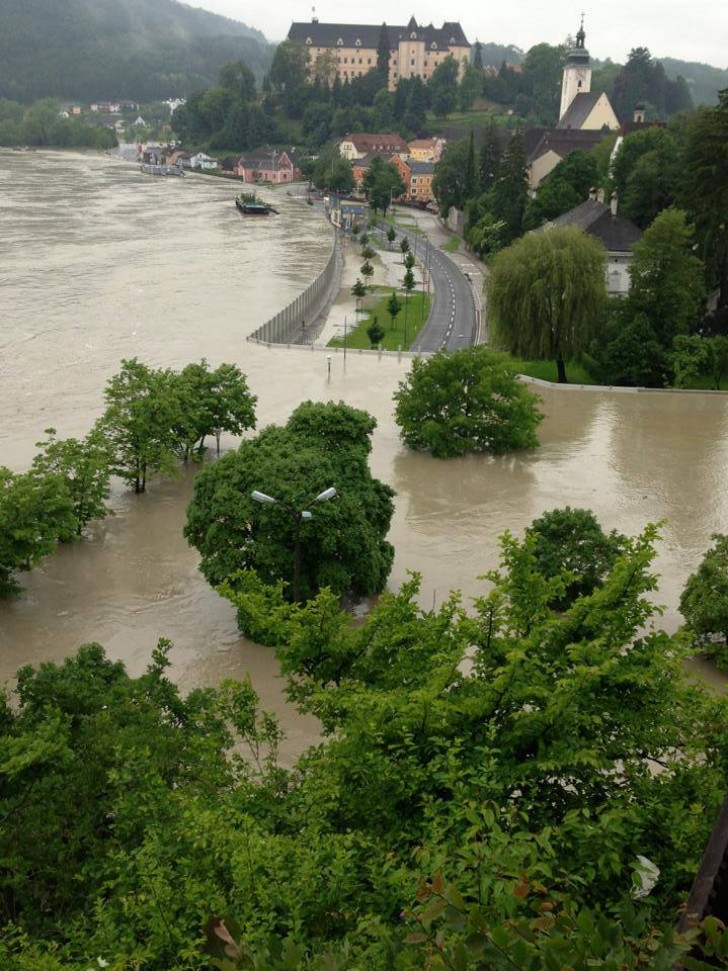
249	204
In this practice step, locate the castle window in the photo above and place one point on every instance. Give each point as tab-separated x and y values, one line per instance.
309	41
433	46
357	43
413	35
452	41
339	42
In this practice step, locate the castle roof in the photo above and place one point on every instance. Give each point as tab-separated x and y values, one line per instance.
315	34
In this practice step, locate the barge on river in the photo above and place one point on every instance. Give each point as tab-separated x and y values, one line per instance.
249	204
151	168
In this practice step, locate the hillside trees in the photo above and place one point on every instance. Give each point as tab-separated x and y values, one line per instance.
645	172
667	278
546	294
467	401
643	80
704	190
443	87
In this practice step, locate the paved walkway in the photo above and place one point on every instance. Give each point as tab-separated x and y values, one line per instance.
339	312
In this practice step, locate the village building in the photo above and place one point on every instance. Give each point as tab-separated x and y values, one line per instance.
348	51
427	149
357	146
617	234
268	166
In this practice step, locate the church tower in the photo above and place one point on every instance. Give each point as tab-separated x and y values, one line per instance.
577	72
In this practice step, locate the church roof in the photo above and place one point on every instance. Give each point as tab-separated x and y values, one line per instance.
617	233
579	109
451	34
561	141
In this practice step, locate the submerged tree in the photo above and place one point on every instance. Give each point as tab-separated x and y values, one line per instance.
342	547
469	401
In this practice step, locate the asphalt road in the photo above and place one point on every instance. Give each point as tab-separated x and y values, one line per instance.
452	323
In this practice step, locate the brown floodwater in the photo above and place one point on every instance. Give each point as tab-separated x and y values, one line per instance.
99	263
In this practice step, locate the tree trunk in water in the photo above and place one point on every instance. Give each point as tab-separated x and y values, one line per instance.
561	371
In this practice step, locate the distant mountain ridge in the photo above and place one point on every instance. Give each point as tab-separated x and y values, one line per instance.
140	50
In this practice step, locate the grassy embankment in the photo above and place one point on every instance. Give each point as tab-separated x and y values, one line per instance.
375	305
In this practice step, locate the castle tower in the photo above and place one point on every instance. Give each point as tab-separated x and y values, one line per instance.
577	72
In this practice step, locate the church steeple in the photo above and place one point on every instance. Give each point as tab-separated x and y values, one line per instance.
577	72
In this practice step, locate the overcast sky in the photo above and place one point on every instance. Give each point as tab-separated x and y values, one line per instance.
691	30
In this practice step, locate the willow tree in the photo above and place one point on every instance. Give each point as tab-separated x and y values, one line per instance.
545	295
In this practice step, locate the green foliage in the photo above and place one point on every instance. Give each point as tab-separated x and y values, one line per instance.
488	784
566	186
84	467
443	87
645	172
667	278
546	294
469	401
449	184
394	305
375	332
212	402
704	189
343	547
644	81
141	415
570	544
381	182
704	602
36	512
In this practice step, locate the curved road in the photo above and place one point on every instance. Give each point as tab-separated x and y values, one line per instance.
452	323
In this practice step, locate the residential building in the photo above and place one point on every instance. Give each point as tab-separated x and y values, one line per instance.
268	166
546	147
617	234
203	162
417	177
427	149
357	146
348	51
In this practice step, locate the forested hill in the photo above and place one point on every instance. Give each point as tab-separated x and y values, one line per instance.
703	81
140	50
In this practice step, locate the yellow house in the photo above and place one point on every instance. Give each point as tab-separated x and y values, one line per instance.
427	149
348	51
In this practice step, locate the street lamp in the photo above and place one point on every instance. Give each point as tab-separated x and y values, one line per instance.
299	516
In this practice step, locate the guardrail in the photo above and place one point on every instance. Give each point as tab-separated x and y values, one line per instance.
290	320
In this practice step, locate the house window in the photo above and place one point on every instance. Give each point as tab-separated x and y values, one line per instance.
412	61
346	60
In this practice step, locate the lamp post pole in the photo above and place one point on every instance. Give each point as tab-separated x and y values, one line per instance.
299	515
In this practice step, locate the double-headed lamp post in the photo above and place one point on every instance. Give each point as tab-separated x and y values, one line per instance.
299	515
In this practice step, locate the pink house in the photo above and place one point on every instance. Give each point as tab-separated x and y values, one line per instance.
276	168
